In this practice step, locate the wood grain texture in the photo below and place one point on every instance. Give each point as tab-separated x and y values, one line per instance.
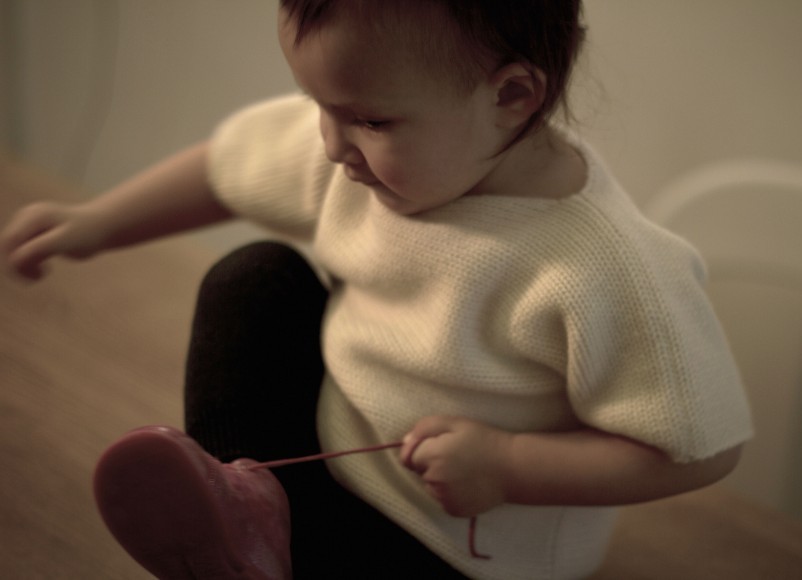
86	354
98	348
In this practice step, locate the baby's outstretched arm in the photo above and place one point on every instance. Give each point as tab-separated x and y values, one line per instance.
170	197
470	467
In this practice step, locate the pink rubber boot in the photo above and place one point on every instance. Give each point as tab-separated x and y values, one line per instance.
184	515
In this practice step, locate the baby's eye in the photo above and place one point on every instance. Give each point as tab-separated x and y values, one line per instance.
373	124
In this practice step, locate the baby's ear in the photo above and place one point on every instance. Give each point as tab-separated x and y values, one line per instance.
520	90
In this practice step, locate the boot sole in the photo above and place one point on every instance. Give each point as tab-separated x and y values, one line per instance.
156	498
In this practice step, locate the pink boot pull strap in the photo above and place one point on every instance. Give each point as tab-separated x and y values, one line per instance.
319	456
382	447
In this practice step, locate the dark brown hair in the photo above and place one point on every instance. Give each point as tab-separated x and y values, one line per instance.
545	33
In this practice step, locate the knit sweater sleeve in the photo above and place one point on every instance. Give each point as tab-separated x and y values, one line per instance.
267	164
645	354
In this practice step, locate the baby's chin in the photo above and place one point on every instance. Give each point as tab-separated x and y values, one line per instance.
399	204
394	202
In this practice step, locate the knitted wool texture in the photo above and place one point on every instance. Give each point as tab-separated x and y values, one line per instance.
528	314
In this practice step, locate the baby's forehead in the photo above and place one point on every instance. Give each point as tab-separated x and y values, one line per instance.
411	21
423	33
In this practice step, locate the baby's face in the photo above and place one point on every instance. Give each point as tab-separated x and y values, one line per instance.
394	124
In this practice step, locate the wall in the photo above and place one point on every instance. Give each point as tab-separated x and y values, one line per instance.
7	41
685	83
110	86
105	87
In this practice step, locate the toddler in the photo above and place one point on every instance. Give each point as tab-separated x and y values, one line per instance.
474	285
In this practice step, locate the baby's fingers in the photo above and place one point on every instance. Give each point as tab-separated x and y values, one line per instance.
426	428
26	224
29	239
27	259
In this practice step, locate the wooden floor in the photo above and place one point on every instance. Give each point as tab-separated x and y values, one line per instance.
97	349
93	350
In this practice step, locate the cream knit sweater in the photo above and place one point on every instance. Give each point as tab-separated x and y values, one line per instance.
525	313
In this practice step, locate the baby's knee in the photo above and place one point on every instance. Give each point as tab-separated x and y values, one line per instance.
254	260
259	270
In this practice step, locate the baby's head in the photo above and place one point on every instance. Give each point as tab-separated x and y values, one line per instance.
424	101
467	39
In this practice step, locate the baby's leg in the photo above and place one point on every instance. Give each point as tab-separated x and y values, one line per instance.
253	376
254	365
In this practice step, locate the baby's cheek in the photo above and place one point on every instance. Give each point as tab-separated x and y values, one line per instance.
395	176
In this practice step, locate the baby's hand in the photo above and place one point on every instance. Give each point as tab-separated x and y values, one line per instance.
460	461
43	230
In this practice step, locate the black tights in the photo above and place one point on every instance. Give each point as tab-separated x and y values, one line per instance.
253	377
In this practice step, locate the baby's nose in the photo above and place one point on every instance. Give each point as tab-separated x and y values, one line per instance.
339	148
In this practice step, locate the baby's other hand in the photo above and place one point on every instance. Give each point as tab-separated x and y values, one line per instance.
43	230
461	462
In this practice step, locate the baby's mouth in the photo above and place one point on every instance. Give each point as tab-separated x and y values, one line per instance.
359	176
